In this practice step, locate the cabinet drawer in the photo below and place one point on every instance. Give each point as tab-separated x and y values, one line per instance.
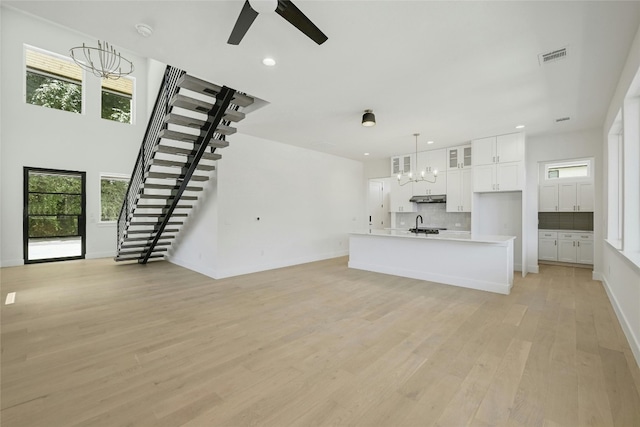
567	236
583	236
547	234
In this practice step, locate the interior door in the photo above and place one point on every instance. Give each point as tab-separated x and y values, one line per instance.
54	222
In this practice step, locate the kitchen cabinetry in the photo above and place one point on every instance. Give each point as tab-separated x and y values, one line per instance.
399	196
498	163
575	197
430	162
459	190
548	245
402	164
563	246
459	157
548	198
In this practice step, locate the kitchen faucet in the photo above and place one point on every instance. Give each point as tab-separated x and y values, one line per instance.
419	216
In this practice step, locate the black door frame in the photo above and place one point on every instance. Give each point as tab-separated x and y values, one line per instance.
82	218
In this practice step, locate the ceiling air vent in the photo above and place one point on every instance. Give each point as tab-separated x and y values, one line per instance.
555	55
562	119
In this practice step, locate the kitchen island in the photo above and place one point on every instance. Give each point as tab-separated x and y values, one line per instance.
453	258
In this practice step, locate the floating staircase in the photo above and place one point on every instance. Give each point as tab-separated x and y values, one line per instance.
190	121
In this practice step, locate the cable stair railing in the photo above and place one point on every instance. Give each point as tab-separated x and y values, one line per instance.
191	119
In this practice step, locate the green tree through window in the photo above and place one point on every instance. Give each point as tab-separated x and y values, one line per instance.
112	193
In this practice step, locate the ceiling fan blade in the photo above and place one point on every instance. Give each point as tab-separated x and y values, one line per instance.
291	13
245	19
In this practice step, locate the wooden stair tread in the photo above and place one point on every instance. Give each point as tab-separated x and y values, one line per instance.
143	245
165	196
168	149
168	187
151	223
152	232
193	123
181	165
182	101
135	257
187	137
207	88
140	214
143	206
148	239
167	175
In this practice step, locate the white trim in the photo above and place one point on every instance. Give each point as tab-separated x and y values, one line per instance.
634	342
12	262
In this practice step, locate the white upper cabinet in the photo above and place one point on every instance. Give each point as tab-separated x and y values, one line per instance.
459	190
498	163
399	196
402	164
575	197
566	197
431	162
459	157
548	198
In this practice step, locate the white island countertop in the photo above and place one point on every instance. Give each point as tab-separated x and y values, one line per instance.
463	236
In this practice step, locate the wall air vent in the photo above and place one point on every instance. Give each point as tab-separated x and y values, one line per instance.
563	119
555	55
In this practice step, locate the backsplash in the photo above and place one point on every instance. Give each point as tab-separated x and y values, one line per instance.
565	221
435	215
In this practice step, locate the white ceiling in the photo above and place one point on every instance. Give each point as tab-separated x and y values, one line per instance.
452	71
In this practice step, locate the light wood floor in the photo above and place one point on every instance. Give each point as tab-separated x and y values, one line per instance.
94	343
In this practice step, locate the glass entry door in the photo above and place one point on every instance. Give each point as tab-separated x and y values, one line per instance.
54	215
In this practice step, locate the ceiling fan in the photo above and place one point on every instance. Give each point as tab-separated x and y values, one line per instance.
284	8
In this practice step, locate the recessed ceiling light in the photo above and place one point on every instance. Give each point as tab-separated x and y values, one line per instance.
366	154
429	142
520	127
269	62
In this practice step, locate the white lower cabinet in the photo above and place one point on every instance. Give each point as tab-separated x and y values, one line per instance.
565	246
548	245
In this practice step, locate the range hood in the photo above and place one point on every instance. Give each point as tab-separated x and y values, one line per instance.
441	198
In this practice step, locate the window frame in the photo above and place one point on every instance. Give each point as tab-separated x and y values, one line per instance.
111	176
133	97
26	69
569	163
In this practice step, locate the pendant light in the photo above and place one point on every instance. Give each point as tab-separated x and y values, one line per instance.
368	118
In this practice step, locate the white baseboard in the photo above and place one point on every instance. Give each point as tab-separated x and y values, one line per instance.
634	342
595	275
535	269
279	264
12	262
95	255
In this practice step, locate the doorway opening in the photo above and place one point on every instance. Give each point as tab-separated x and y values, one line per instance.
54	222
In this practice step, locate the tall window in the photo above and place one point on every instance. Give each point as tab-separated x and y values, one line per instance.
53	81
117	99
113	188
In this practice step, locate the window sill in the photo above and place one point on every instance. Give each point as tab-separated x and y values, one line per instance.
632	258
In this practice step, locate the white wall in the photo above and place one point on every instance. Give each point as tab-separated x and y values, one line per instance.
307	203
561	146
620	276
43	137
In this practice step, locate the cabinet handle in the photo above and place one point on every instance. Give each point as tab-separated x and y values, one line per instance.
498	185
555	243
494	159
574	243
578	207
556	208
498	159
578	244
